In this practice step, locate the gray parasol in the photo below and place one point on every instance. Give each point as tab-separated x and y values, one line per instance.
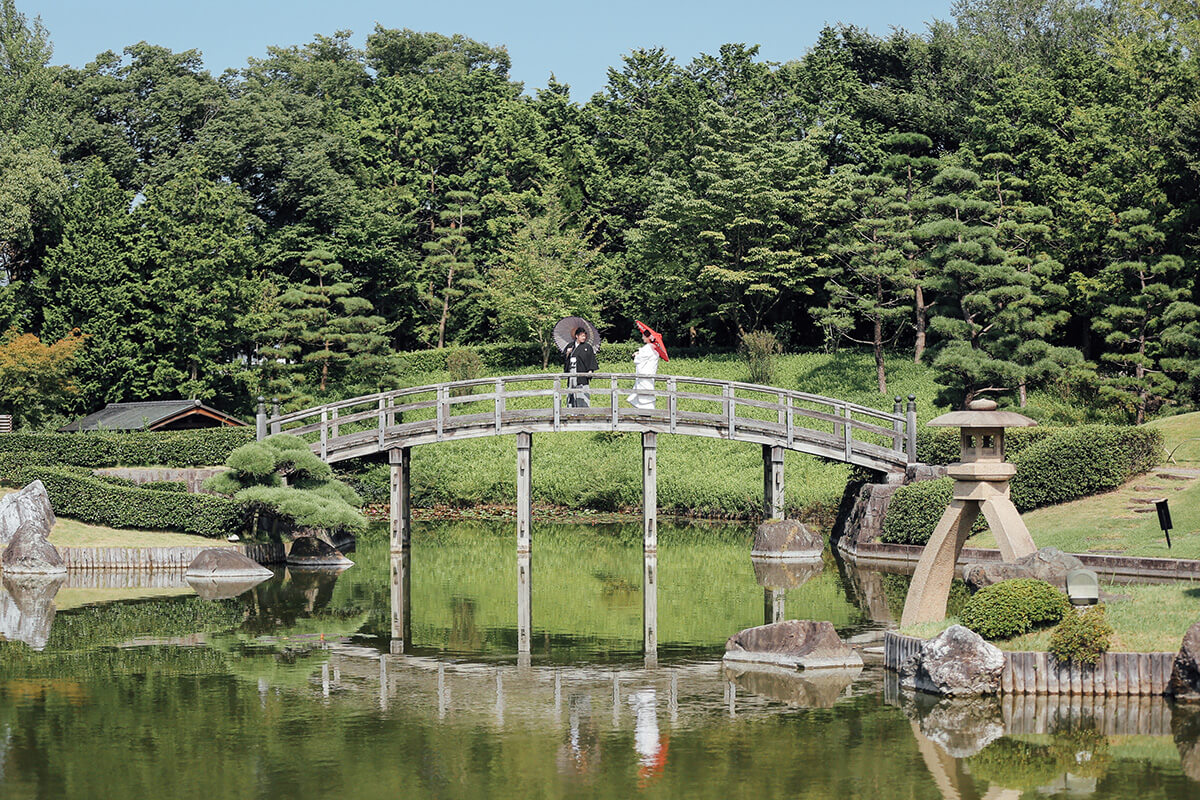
564	332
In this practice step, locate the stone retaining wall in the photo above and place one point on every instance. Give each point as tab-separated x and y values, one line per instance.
149	559
192	477
1039	673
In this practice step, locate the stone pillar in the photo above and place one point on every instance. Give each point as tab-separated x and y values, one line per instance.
524	606
650	605
773	505
524	490
400	512
401	601
650	492
773	605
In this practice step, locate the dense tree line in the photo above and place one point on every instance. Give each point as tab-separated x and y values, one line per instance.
1011	197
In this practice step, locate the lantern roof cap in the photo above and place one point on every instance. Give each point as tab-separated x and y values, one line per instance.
982	414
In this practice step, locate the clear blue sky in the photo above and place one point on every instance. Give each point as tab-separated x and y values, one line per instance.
577	41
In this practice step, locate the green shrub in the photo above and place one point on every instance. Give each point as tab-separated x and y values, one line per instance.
1077	462
758	349
1053	466
166	486
1082	636
915	510
204	447
1011	608
942	445
464	365
76	494
252	459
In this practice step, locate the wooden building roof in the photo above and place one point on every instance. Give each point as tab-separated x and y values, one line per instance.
156	415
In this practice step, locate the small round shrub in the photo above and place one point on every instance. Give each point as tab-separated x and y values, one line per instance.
1011	608
1082	636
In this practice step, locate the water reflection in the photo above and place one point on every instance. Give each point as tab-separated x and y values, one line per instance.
27	608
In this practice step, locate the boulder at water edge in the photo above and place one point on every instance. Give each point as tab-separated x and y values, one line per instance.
787	539
29	553
224	562
1048	564
31	504
956	662
799	643
1185	674
309	551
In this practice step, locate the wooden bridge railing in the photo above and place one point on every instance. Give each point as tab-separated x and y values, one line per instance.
812	423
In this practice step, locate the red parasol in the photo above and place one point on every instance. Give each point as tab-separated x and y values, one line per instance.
655	339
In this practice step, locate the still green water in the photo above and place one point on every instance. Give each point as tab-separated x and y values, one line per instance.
297	688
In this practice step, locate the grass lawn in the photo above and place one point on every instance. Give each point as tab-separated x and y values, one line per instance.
1154	619
1109	523
1181	436
73	533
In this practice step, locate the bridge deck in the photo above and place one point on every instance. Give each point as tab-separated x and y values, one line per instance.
766	415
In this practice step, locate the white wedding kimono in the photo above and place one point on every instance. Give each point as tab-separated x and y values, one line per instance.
645	362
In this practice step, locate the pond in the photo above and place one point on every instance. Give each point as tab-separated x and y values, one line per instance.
298	687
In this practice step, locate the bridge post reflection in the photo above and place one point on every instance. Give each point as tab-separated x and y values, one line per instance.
650	607
401	600
524	602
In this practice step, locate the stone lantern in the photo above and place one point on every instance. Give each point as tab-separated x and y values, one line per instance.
980	485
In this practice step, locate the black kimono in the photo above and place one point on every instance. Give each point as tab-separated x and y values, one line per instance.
579	357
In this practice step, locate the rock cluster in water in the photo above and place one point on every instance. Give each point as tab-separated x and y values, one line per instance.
787	539
956	662
800	643
26	518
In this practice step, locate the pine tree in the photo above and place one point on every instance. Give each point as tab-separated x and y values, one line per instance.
449	264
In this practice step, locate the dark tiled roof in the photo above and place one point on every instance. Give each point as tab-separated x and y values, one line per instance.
146	416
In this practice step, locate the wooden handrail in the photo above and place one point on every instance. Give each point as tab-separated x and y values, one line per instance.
784	416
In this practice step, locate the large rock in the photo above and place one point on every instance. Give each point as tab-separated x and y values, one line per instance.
28	552
1048	564
1185	674
309	551
225	562
773	573
957	662
819	689
787	539
29	505
27	608
793	643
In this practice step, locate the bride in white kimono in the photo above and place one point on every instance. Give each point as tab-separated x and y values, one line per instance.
645	362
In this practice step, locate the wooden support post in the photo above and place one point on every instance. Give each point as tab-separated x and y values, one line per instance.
401	601
524	613
773	503
650	491
912	429
400	512
524	490
773	606
650	604
260	419
897	425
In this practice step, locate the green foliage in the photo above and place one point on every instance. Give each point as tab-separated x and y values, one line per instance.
77	494
1053	466
1077	462
1011	608
314	499
759	349
202	447
915	510
463	365
1082	636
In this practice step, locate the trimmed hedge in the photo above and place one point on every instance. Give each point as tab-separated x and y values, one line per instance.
76	494
1077	462
1011	608
1056	466
203	447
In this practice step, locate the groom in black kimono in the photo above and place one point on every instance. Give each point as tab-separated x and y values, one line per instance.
579	357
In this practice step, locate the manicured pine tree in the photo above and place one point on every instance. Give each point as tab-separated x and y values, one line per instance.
1149	310
449	264
869	281
323	323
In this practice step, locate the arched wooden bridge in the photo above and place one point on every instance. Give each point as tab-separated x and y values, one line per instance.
522	405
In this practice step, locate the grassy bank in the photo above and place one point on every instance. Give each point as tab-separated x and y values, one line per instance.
1153	619
696	476
1120	522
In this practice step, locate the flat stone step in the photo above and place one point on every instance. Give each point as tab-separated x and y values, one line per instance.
1147	488
1178	474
